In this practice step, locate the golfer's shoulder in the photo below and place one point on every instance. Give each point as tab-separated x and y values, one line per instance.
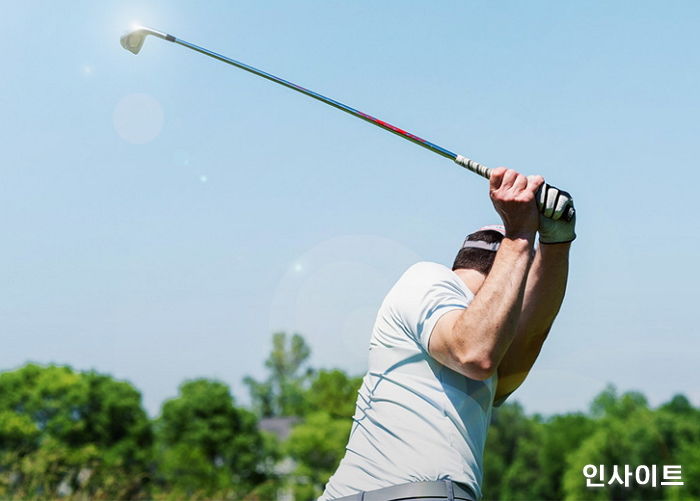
421	287
428	268
426	273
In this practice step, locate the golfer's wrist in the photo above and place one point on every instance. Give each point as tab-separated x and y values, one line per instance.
518	243
554	250
568	242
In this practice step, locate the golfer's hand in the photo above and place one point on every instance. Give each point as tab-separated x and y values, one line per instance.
513	197
553	203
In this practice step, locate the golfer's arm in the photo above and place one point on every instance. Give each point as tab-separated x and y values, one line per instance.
544	293
474	340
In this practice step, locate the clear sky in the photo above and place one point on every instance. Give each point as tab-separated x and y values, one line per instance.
164	213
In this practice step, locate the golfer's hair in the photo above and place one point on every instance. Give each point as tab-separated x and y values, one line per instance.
478	259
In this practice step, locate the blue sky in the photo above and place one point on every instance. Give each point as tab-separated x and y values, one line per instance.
163	214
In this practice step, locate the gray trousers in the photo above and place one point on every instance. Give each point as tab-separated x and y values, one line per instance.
438	490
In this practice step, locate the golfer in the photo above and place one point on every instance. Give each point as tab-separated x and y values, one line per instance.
448	345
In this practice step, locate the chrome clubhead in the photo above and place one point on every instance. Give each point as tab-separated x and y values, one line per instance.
133	41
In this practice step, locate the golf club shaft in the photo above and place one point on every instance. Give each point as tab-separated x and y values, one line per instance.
483	171
458	159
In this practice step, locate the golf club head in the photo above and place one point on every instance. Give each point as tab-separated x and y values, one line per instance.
133	41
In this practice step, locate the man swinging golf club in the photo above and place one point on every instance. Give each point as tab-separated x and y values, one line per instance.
448	345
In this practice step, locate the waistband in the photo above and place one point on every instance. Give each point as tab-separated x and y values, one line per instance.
425	491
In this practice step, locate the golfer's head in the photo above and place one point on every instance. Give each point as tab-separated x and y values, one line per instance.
479	249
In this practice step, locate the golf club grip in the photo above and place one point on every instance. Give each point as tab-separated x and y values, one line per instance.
485	172
473	166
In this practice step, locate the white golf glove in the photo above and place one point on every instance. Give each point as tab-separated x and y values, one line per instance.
553	203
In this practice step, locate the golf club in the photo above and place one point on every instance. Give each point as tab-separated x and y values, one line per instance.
133	42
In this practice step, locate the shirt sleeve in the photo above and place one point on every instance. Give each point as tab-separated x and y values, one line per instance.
424	294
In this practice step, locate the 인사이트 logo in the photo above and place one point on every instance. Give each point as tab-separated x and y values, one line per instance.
626	476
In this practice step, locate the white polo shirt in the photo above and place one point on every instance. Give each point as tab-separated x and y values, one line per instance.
415	419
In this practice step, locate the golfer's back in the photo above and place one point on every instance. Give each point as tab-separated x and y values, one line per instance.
415	419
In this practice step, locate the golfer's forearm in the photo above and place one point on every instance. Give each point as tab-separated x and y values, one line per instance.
484	331
544	293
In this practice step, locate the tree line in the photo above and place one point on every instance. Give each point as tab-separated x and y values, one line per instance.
84	435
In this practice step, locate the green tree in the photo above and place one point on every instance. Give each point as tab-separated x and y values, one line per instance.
510	459
317	445
679	424
282	392
607	404
325	405
628	432
332	391
207	446
560	436
73	432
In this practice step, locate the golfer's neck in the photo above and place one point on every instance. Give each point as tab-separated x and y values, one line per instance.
472	279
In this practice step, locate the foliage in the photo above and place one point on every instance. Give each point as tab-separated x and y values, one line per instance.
325	402
627	431
317	446
560	435
281	393
532	458
509	451
84	435
333	392
63	431
207	446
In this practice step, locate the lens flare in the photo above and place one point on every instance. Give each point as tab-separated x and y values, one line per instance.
138	118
